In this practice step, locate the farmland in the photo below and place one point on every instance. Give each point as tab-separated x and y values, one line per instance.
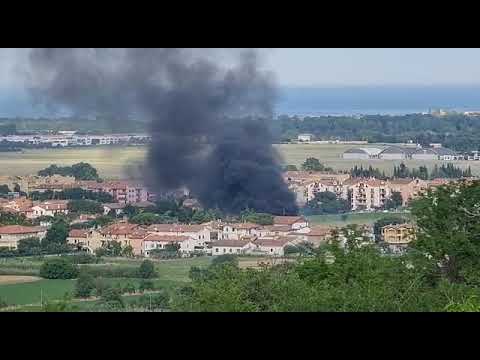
114	162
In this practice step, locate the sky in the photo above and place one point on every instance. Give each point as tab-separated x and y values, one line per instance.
375	66
323	67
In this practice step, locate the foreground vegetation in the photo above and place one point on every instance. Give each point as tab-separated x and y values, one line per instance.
441	272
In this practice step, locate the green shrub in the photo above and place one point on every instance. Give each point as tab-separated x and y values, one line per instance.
100	286
112	298
225	259
112	271
82	259
129	288
3	303
147	270
146	285
85	285
153	301
58	268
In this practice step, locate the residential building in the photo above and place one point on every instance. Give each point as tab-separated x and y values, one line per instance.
117	208
318	235
126	192
271	246
49	208
236	231
367	194
397	237
86	240
296	223
238	247
10	235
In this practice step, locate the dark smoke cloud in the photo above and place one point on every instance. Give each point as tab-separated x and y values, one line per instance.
208	123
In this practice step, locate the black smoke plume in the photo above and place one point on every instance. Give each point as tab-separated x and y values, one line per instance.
209	123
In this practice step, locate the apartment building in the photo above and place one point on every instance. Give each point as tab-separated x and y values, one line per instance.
366	194
126	192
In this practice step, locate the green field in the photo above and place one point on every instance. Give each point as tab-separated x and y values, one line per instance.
111	162
353	218
115	162
170	274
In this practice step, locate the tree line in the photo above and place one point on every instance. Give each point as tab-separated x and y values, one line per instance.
458	132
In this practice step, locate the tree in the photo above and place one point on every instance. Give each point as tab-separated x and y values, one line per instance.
448	224
312	164
112	298
226	259
81	171
57	234
327	202
145	219
147	270
256	218
395	201
146	285
58	268
85	207
29	246
85	285
110	248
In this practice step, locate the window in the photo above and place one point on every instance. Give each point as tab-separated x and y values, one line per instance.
216	250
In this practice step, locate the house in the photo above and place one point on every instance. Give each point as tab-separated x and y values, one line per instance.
397	237
235	231
222	247
296	223
117	208
187	244
362	153
20	205
86	240
49	208
10	235
317	235
156	241
273	230
271	246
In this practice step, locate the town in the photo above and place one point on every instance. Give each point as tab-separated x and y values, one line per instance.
40	200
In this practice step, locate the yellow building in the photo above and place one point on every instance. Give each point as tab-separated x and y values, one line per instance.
400	234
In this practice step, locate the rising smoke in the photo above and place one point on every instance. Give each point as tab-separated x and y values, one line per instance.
209	123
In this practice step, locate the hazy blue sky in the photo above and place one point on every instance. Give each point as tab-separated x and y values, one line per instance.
325	67
375	66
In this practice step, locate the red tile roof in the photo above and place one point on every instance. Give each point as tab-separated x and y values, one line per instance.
230	243
18	229
276	242
119	229
78	233
287	220
165	238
